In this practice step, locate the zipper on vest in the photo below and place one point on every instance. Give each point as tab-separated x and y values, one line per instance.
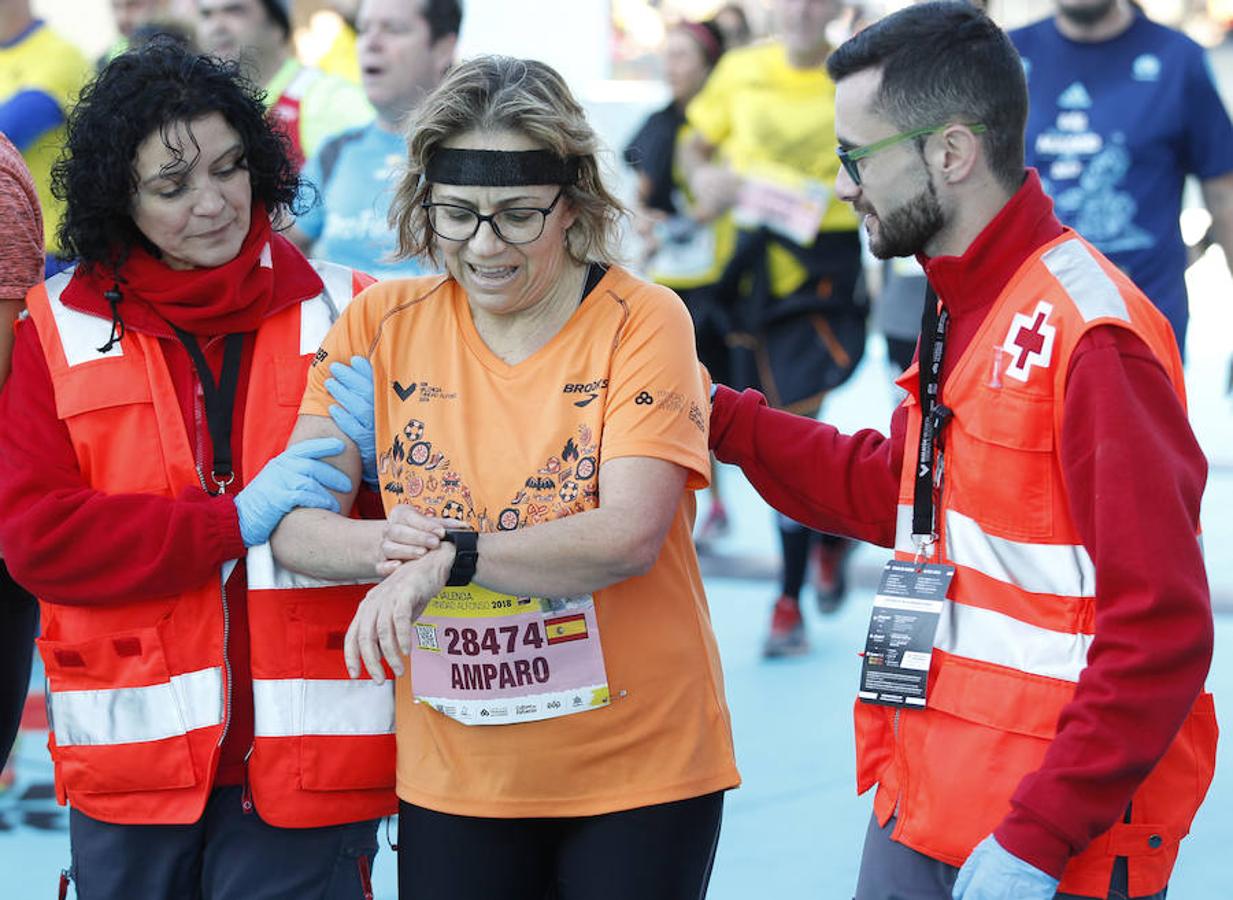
939	529
246	793
902	768
198	406
226	668
199	424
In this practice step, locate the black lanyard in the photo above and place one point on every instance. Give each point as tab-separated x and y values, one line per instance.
219	401
933	416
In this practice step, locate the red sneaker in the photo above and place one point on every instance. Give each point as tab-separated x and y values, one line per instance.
715	525
830	572
787	635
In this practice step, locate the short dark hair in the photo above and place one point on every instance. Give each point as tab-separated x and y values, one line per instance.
444	17
946	62
140	93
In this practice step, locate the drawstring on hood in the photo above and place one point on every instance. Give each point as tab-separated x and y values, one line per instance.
113	298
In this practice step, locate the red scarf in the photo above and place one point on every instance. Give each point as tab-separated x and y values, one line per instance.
226	299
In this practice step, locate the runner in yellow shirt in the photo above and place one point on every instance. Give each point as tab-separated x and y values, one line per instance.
763	153
40	75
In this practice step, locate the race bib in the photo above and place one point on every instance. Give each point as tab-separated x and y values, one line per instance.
484	658
794	210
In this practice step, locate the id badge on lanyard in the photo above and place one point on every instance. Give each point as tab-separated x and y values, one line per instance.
899	646
484	658
912	595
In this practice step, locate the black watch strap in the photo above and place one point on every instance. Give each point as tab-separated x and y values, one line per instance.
466	556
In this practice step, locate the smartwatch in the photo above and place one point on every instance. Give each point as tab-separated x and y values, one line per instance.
466	555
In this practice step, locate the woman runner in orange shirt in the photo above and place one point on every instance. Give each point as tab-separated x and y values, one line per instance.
539	422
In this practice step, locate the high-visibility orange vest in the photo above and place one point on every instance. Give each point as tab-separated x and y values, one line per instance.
139	693
1014	638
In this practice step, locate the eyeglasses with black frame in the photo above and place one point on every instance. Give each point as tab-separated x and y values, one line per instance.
514	224
850	156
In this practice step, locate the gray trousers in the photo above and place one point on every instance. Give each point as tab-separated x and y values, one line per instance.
226	855
891	871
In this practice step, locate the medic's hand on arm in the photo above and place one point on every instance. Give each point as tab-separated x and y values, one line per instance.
325	544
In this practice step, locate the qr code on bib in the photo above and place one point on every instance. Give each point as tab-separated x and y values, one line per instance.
427	636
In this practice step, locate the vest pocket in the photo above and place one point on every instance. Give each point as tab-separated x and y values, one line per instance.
340	731
985	728
120	720
290	377
1160	813
341	763
1001	465
351	746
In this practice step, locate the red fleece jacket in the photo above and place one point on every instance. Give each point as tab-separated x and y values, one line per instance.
1126	448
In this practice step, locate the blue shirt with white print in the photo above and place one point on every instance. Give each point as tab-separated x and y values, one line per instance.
355	174
1114	127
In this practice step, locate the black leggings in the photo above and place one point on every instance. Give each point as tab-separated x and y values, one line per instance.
662	852
19	622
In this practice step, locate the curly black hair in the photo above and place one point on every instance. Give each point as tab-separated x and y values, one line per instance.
140	93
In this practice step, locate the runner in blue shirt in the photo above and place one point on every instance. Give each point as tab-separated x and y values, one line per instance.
1122	110
404	48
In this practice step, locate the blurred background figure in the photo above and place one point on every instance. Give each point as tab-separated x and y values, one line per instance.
762	148
21	267
130	16
405	47
734	24
335	28
1122	110
679	251
308	104
40	75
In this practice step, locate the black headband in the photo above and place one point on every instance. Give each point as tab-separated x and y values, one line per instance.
500	168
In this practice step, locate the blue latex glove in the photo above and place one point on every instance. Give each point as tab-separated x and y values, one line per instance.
296	477
993	874
352	387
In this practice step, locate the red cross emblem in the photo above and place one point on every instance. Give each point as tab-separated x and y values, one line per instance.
1030	341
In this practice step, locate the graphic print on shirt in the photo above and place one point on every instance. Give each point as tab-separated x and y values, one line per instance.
420	475
1085	171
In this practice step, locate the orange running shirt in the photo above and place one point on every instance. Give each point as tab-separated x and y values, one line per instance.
462	433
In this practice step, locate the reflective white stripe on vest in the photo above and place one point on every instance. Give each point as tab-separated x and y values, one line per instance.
1005	641
290	707
1062	569
81	334
1091	290
319	313
265	574
315	321
133	715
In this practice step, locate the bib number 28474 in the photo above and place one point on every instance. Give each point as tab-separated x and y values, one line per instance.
485	658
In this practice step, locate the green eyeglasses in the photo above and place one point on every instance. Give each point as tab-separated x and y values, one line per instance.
850	157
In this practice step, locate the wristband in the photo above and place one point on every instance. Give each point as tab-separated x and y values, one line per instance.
466	556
